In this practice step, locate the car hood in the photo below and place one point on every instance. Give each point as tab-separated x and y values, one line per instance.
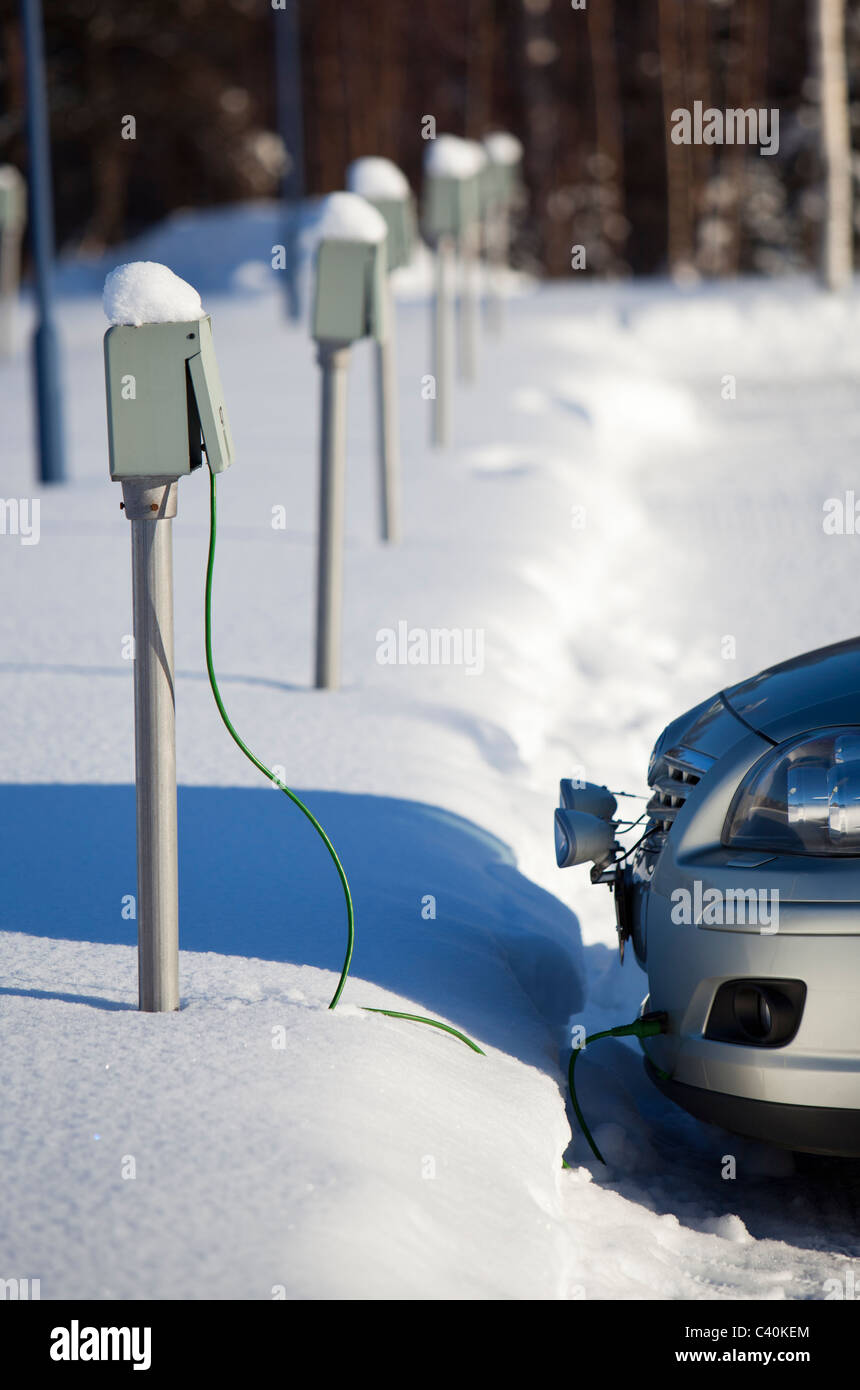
711	728
808	692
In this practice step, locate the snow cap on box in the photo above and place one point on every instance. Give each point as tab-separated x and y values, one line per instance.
345	217
146	292
374	177
450	157
503	148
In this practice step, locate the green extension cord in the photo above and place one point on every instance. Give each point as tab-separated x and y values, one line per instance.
648	1026
431	1022
341	873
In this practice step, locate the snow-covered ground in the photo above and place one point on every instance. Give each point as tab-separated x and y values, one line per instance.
605	522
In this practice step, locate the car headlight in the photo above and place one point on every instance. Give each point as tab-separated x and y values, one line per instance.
801	798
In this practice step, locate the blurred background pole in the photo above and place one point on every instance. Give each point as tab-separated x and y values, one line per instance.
469	303
387	424
498	258
334	360
288	81
443	339
45	342
13	212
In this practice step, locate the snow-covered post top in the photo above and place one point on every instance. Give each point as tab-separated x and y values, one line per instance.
450	157
373	178
505	159
503	148
13	199
163	384
146	292
452	185
345	217
387	188
349	238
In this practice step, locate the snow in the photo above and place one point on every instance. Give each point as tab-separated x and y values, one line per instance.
448	156
319	1165
606	517
231	249
217	248
477	152
345	217
146	292
374	177
503	148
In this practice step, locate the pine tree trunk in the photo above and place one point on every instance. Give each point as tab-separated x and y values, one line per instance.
746	86
678	157
479	76
540	112
697	88
608	125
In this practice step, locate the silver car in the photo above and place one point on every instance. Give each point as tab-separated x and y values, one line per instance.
742	901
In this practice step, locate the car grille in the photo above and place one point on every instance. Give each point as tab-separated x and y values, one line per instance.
674	772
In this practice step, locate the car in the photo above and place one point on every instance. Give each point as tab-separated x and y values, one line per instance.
741	900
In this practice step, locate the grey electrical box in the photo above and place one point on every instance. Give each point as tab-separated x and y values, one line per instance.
399	214
488	188
451	205
350	291
13	198
500	184
163	392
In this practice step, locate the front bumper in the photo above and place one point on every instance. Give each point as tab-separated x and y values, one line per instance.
818	1068
814	1129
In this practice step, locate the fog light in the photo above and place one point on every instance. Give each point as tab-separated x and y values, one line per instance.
764	1013
753	1012
580	838
588	797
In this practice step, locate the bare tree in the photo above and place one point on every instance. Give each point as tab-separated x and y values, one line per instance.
837	237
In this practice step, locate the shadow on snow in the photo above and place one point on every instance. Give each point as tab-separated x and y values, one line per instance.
256	881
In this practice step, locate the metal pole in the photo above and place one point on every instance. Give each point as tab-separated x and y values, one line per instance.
443	334
468	305
334	360
387	426
10	276
498	228
45	342
288	82
150	506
